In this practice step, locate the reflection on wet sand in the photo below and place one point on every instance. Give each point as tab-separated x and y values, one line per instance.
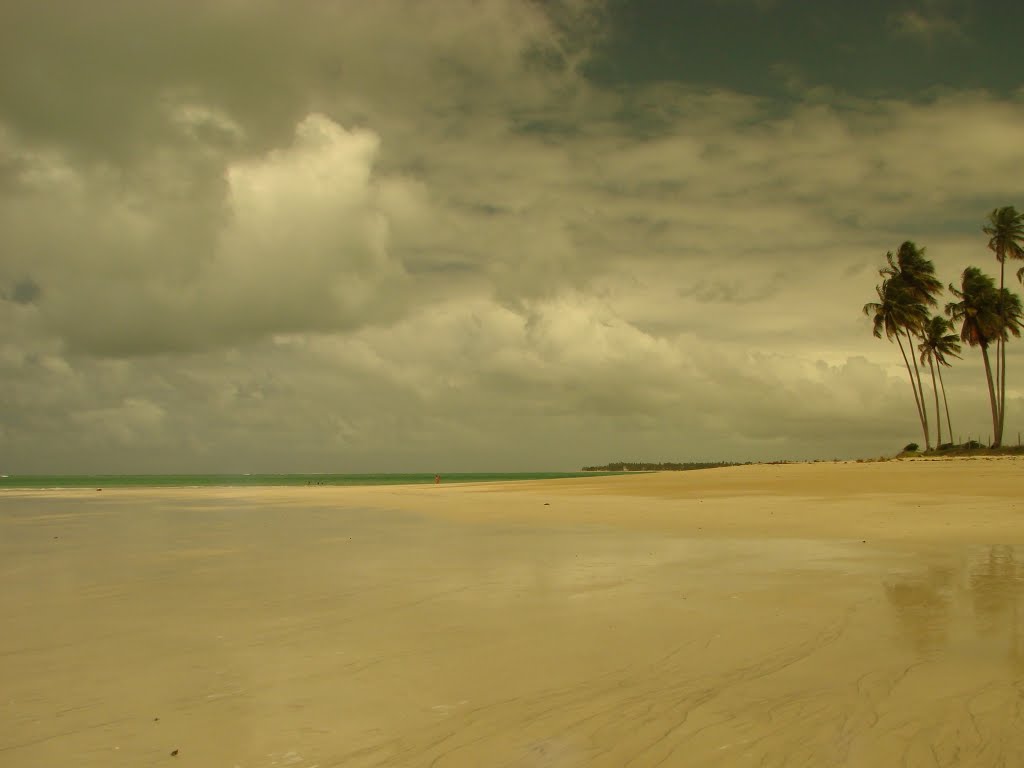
318	636
997	589
983	587
922	606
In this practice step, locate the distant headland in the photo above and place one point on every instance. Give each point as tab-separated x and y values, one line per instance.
648	466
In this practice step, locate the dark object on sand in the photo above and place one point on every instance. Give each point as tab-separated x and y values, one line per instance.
174	753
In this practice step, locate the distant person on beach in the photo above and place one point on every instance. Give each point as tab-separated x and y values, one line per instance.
437	479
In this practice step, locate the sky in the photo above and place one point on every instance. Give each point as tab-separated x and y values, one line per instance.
485	235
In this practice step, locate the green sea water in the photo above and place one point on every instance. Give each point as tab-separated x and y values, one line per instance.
212	481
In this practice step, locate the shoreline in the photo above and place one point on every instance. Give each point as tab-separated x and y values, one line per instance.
966	499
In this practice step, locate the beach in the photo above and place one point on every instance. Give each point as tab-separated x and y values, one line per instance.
804	614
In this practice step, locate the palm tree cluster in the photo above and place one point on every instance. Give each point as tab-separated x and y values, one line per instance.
986	316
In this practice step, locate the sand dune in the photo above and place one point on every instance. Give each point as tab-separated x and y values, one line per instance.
801	614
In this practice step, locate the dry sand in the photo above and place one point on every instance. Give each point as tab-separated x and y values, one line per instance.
774	615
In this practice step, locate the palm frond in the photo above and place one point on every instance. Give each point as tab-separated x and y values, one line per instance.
937	343
977	310
914	272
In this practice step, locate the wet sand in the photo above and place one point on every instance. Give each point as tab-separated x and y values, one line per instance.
777	615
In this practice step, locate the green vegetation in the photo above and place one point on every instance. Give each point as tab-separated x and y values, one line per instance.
987	316
969	448
648	466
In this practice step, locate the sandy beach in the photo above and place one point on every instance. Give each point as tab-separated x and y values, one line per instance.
821	614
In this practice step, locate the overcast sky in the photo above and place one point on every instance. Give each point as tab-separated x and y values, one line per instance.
438	235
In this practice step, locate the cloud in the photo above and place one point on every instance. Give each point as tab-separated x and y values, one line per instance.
25	291
927	25
300	242
426	240
306	243
127	422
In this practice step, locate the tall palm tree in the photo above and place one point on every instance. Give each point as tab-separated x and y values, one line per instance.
937	345
916	275
978	313
1005	229
895	311
1009	322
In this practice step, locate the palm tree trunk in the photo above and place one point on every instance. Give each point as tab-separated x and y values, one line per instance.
920	389
991	392
1002	393
913	389
1001	362
938	413
949	423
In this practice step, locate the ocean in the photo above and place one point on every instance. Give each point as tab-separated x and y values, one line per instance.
212	481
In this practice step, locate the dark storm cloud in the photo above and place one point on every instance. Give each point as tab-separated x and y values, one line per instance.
903	49
24	291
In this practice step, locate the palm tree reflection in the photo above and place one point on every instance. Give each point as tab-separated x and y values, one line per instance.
997	587
990	586
922	606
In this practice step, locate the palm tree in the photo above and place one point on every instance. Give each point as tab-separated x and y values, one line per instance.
895	311
1009	320
916	272
1005	229
978	313
936	346
916	275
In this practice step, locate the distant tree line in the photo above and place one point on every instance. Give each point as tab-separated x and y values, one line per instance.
649	466
987	316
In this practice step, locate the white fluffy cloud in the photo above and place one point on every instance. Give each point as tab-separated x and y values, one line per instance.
300	241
